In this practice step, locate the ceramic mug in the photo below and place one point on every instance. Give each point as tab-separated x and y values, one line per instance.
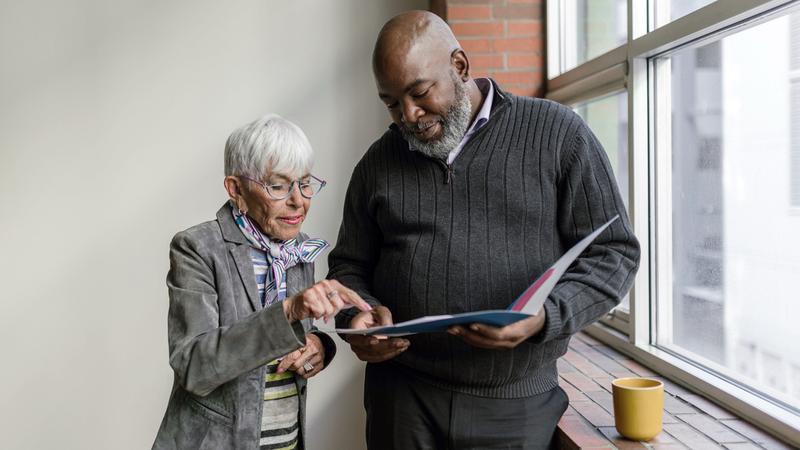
638	407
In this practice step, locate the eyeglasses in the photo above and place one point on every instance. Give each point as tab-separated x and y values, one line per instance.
308	188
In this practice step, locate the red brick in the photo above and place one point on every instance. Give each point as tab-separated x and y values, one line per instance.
633	365
473	2
604	382
477	29
621	442
564	366
578	361
524	77
712	428
674	405
592	412
664	440
573	394
603	399
531	90
492	61
577	379
525	61
476	45
480	74
755	434
518	45
606	363
575	432
688	436
669	418
570	412
469	12
517	11
707	407
524	28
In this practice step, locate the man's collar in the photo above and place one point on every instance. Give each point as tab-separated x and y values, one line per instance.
487	90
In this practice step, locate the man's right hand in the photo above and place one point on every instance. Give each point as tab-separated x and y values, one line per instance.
375	349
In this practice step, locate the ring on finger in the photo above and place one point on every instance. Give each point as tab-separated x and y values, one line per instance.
308	367
332	293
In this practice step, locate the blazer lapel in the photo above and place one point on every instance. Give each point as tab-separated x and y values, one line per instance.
240	251
244	265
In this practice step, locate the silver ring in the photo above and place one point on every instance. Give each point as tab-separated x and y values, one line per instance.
332	293
308	367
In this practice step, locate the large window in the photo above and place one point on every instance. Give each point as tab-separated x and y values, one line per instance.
668	10
587	28
698	108
735	246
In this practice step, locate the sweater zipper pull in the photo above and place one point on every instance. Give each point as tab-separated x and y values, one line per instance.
448	172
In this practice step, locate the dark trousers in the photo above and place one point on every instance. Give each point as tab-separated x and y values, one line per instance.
406	413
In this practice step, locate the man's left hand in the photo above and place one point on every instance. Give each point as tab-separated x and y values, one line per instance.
509	336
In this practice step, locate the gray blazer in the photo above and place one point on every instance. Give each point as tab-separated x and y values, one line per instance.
220	339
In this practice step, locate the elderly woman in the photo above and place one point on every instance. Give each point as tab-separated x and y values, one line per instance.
242	297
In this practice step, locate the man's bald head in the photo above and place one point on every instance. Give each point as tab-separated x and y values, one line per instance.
422	76
413	34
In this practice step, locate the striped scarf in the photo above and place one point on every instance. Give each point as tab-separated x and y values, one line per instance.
281	255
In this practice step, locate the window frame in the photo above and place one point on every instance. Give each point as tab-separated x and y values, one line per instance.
632	67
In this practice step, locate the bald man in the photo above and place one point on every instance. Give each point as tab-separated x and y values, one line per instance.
467	198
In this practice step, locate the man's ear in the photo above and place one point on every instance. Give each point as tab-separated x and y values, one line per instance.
460	64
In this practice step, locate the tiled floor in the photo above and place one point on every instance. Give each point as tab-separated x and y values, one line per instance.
690	421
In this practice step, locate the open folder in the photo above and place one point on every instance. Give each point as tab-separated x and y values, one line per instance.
526	305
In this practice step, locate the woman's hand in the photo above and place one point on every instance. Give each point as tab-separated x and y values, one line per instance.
323	299
312	354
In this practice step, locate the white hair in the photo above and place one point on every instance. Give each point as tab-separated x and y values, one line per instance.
269	144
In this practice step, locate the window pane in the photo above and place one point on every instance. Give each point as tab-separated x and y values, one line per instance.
608	119
734	116
586	29
669	10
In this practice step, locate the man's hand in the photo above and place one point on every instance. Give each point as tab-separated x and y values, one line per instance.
375	348
313	353
509	336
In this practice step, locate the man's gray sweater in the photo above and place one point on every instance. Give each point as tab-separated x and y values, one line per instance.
424	238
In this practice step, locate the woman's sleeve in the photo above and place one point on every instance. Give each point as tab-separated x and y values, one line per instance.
203	354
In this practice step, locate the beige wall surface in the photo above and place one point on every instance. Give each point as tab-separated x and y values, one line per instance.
113	117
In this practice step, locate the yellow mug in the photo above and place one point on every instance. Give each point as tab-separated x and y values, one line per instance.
638	407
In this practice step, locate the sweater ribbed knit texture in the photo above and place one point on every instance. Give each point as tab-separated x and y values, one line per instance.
424	238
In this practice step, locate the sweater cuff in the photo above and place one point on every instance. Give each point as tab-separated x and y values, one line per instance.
328	345
552	323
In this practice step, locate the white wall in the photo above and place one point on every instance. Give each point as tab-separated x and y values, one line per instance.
113	117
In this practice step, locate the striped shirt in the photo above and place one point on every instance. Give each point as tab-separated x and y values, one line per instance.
279	420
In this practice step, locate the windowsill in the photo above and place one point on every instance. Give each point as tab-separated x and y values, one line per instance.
690	420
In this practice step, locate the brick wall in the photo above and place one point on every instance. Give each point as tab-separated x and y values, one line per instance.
504	40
